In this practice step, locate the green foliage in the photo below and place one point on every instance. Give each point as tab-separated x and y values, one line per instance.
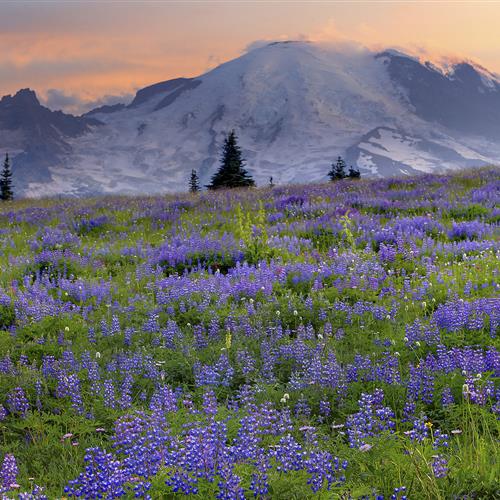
471	211
347	225
251	230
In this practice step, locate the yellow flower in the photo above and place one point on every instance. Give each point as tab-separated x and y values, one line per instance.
428	424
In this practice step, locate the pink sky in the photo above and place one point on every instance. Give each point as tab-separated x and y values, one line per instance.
76	55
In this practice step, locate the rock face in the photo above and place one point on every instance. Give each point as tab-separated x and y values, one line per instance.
295	107
465	99
36	137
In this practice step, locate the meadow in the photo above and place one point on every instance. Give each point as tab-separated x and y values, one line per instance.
329	341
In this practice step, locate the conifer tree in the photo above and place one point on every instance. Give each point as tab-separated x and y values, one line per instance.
194	182
232	172
337	171
354	173
271	182
6	192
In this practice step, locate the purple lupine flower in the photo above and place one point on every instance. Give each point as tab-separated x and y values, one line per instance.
371	419
324	468
439	466
420	430
17	402
8	473
104	476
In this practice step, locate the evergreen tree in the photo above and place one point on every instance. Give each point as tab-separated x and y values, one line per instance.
337	171
354	173
194	182
232	172
6	192
271	182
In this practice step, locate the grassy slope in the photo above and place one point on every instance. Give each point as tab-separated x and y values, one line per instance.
264	225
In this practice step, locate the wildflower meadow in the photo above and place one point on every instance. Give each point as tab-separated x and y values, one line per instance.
330	341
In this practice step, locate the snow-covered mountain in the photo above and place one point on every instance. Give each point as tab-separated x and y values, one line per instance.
294	105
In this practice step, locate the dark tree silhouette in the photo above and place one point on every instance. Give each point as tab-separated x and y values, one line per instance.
354	173
194	182
6	192
232	172
337	171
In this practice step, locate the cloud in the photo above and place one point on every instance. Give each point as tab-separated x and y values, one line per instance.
56	99
258	44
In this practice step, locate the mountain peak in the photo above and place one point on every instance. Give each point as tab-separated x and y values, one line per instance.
390	53
26	97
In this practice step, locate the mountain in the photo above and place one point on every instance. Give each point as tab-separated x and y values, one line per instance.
36	137
295	107
466	98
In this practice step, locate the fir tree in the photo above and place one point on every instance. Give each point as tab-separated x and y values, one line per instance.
354	173
271	182
337	171
194	182
232	172
6	192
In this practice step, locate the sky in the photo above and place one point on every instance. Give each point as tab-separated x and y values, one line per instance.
78	55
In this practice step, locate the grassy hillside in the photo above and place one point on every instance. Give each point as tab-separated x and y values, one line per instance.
322	341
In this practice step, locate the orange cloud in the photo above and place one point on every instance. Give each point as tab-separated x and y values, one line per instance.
89	50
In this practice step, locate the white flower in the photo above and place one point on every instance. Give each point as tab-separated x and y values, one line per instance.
66	328
97	354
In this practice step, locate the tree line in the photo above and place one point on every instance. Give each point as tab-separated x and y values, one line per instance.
233	174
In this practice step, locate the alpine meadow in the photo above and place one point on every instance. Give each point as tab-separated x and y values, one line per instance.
326	341
249	250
